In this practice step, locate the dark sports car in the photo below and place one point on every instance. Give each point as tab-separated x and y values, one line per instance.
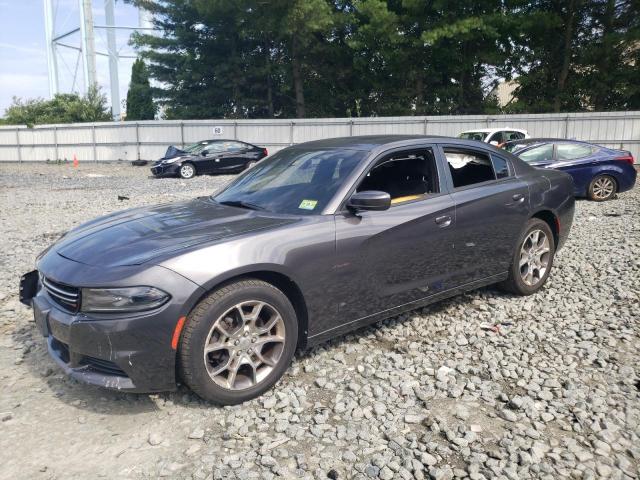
317	240
208	156
598	172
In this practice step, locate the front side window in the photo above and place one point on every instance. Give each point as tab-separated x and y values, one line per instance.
405	176
293	181
572	151
538	154
468	167
497	137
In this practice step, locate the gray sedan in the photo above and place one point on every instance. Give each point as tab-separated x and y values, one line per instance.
315	241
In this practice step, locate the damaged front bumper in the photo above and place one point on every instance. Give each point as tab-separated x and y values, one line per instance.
126	351
165	170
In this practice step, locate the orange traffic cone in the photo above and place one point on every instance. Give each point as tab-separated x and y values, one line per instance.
75	161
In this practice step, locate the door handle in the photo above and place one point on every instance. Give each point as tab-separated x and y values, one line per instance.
443	221
518	197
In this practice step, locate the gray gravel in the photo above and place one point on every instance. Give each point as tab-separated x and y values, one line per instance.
553	393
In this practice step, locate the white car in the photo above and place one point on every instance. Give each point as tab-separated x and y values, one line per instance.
495	136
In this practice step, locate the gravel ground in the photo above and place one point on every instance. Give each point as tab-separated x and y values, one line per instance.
553	392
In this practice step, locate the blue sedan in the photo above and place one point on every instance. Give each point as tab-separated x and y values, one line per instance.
598	172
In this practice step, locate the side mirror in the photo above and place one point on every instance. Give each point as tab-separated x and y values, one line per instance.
369	200
204	153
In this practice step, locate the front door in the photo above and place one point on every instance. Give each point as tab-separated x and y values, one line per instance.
386	259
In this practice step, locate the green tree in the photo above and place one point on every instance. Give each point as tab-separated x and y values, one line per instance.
315	58
140	104
62	108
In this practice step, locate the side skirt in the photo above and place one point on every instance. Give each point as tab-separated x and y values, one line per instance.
364	321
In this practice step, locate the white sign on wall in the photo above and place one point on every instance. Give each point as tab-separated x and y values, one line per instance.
217	130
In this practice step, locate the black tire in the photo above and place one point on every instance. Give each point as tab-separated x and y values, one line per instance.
515	282
602	188
199	325
187	170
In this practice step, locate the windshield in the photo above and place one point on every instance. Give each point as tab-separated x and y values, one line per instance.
480	136
294	180
195	148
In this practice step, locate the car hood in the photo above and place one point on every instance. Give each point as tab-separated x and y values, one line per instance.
137	236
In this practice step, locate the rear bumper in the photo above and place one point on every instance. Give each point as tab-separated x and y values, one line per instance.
628	180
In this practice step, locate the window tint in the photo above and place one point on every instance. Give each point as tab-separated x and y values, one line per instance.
571	151
468	167
404	176
500	166
538	154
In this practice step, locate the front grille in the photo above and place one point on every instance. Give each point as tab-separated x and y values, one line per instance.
66	296
103	366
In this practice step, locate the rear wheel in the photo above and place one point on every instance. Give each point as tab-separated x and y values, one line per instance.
249	164
532	259
187	170
602	187
238	342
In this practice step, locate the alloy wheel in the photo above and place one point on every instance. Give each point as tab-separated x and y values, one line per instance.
244	345
603	188
535	254
186	171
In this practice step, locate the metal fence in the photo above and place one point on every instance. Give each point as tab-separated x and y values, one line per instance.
149	139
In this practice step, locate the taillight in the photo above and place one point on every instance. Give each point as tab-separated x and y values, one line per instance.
626	158
265	151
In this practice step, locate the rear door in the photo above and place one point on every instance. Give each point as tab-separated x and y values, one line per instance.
492	206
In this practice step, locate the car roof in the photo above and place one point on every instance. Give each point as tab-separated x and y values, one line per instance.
547	140
222	140
491	130
366	142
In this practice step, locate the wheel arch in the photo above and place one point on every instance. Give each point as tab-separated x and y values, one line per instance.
552	220
278	279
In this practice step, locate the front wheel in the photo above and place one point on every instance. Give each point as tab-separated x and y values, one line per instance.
187	171
238	342
601	188
532	260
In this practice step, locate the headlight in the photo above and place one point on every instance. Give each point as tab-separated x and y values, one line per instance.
172	160
129	299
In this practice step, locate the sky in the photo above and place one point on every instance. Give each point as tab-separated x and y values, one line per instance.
23	58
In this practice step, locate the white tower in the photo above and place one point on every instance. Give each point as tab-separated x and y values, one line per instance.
81	40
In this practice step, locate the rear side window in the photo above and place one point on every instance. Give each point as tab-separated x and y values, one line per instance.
468	167
500	166
571	151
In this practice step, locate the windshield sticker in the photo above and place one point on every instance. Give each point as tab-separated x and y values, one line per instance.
308	204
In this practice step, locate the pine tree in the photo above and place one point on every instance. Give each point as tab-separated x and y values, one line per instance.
140	104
